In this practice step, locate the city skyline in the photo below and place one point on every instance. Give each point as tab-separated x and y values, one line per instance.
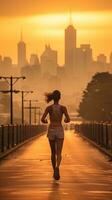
92	27
22	38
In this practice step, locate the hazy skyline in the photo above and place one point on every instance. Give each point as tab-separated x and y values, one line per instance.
45	21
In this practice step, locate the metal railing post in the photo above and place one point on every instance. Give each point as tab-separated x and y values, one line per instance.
2	139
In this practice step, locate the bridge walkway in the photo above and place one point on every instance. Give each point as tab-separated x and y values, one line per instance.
26	174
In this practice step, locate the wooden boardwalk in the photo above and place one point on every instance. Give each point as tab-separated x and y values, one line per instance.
26	174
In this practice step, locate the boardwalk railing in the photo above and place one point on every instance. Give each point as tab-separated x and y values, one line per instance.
13	135
99	133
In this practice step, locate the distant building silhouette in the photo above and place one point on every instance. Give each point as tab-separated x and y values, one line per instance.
49	61
70	49
32	71
84	59
34	60
111	59
7	62
4	102
21	53
61	71
101	59
6	66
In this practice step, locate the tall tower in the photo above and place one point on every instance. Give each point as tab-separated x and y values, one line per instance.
70	49
21	52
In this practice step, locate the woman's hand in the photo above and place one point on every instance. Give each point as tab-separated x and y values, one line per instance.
66	120
45	121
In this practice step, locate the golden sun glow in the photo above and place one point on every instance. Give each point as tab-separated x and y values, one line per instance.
53	25
82	18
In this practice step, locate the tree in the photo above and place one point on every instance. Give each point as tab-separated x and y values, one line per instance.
96	101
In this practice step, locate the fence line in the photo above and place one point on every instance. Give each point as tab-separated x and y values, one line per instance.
13	135
100	133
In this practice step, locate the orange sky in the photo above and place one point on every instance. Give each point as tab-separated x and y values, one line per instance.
30	7
44	21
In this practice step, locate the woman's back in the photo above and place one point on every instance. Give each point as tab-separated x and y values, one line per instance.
56	114
55	110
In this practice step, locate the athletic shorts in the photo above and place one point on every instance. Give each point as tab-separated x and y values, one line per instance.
55	133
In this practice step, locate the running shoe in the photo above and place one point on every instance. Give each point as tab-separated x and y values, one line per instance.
56	174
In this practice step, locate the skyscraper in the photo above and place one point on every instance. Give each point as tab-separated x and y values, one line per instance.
21	53
70	49
84	60
49	61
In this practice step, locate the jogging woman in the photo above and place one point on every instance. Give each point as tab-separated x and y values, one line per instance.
55	130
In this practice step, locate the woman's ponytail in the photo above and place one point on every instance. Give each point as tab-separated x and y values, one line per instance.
48	97
55	95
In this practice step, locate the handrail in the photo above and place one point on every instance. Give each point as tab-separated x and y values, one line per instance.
100	133
13	135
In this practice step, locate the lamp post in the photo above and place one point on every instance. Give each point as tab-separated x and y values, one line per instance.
35	114
11	82
22	104
30	107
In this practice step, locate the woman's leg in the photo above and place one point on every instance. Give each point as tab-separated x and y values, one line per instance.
59	151
53	153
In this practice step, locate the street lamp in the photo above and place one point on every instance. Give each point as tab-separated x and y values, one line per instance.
30	107
11	82
37	113
22	102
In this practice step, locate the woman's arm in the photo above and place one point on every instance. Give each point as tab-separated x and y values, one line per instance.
67	118
43	119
